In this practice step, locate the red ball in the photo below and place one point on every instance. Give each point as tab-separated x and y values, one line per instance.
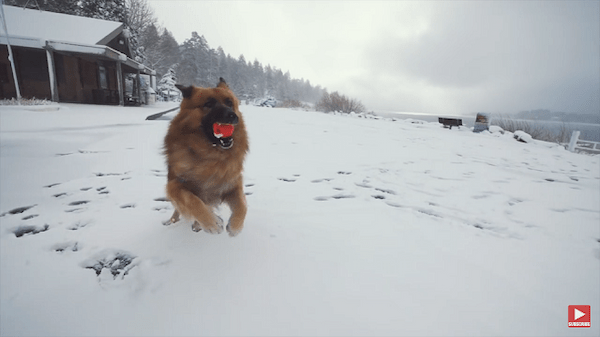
223	130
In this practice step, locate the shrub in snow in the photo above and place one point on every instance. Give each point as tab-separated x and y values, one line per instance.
539	131
294	103
268	101
523	136
335	102
25	101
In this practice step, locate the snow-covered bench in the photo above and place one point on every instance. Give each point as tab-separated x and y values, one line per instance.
450	122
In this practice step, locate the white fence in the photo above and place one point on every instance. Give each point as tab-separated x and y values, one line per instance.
578	145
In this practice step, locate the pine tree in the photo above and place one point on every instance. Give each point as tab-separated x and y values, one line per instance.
168	49
222	66
196	58
166	86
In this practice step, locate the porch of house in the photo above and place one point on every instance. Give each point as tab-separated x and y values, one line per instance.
63	72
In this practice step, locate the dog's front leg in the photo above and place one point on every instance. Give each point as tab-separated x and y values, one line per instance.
237	203
174	218
190	206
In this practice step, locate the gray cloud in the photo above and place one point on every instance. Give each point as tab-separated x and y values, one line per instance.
493	56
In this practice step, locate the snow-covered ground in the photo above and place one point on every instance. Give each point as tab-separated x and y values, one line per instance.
355	227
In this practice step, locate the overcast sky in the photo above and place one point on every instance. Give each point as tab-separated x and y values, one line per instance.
449	57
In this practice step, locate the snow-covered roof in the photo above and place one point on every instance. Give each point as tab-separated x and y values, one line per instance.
66	33
36	24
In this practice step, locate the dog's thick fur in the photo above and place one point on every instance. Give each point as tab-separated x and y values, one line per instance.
204	169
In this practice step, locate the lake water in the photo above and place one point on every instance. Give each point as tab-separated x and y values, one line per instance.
588	131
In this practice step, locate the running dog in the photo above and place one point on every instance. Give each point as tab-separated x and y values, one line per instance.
205	149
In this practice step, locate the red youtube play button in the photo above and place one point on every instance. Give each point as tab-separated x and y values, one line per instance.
580	316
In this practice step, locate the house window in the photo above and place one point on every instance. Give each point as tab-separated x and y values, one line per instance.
102	77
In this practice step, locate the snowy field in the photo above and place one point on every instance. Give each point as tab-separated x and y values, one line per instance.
355	227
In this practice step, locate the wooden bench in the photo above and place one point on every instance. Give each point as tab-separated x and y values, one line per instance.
450	122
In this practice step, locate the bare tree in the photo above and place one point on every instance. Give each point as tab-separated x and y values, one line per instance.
139	15
337	102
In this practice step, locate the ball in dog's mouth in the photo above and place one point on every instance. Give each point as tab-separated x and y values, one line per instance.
222	130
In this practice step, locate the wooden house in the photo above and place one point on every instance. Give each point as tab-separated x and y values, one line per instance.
66	58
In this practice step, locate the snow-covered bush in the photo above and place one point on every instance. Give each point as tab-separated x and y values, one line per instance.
523	136
268	101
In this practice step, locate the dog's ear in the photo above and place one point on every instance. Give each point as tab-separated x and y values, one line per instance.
222	83
186	91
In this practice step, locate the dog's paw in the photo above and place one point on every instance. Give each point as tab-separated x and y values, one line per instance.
196	227
174	218
215	228
234	230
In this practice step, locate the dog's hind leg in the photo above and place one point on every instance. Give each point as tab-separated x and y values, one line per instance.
190	206
237	203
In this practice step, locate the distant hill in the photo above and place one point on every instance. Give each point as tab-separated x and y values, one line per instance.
547	115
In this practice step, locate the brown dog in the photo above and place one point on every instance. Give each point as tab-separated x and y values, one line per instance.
205	148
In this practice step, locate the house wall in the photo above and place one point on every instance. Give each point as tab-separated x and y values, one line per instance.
111	69
32	72
89	79
68	78
79	82
120	43
7	85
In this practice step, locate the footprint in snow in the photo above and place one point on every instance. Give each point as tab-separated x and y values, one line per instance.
363	184
159	173
386	191
51	185
80	202
117	262
102	190
17	210
78	225
428	212
248	186
161	208
102	174
337	196
71	246
75	210
24	230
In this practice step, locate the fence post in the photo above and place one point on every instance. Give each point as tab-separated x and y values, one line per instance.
573	142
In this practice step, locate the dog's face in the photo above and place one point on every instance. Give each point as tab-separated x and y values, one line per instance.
212	110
